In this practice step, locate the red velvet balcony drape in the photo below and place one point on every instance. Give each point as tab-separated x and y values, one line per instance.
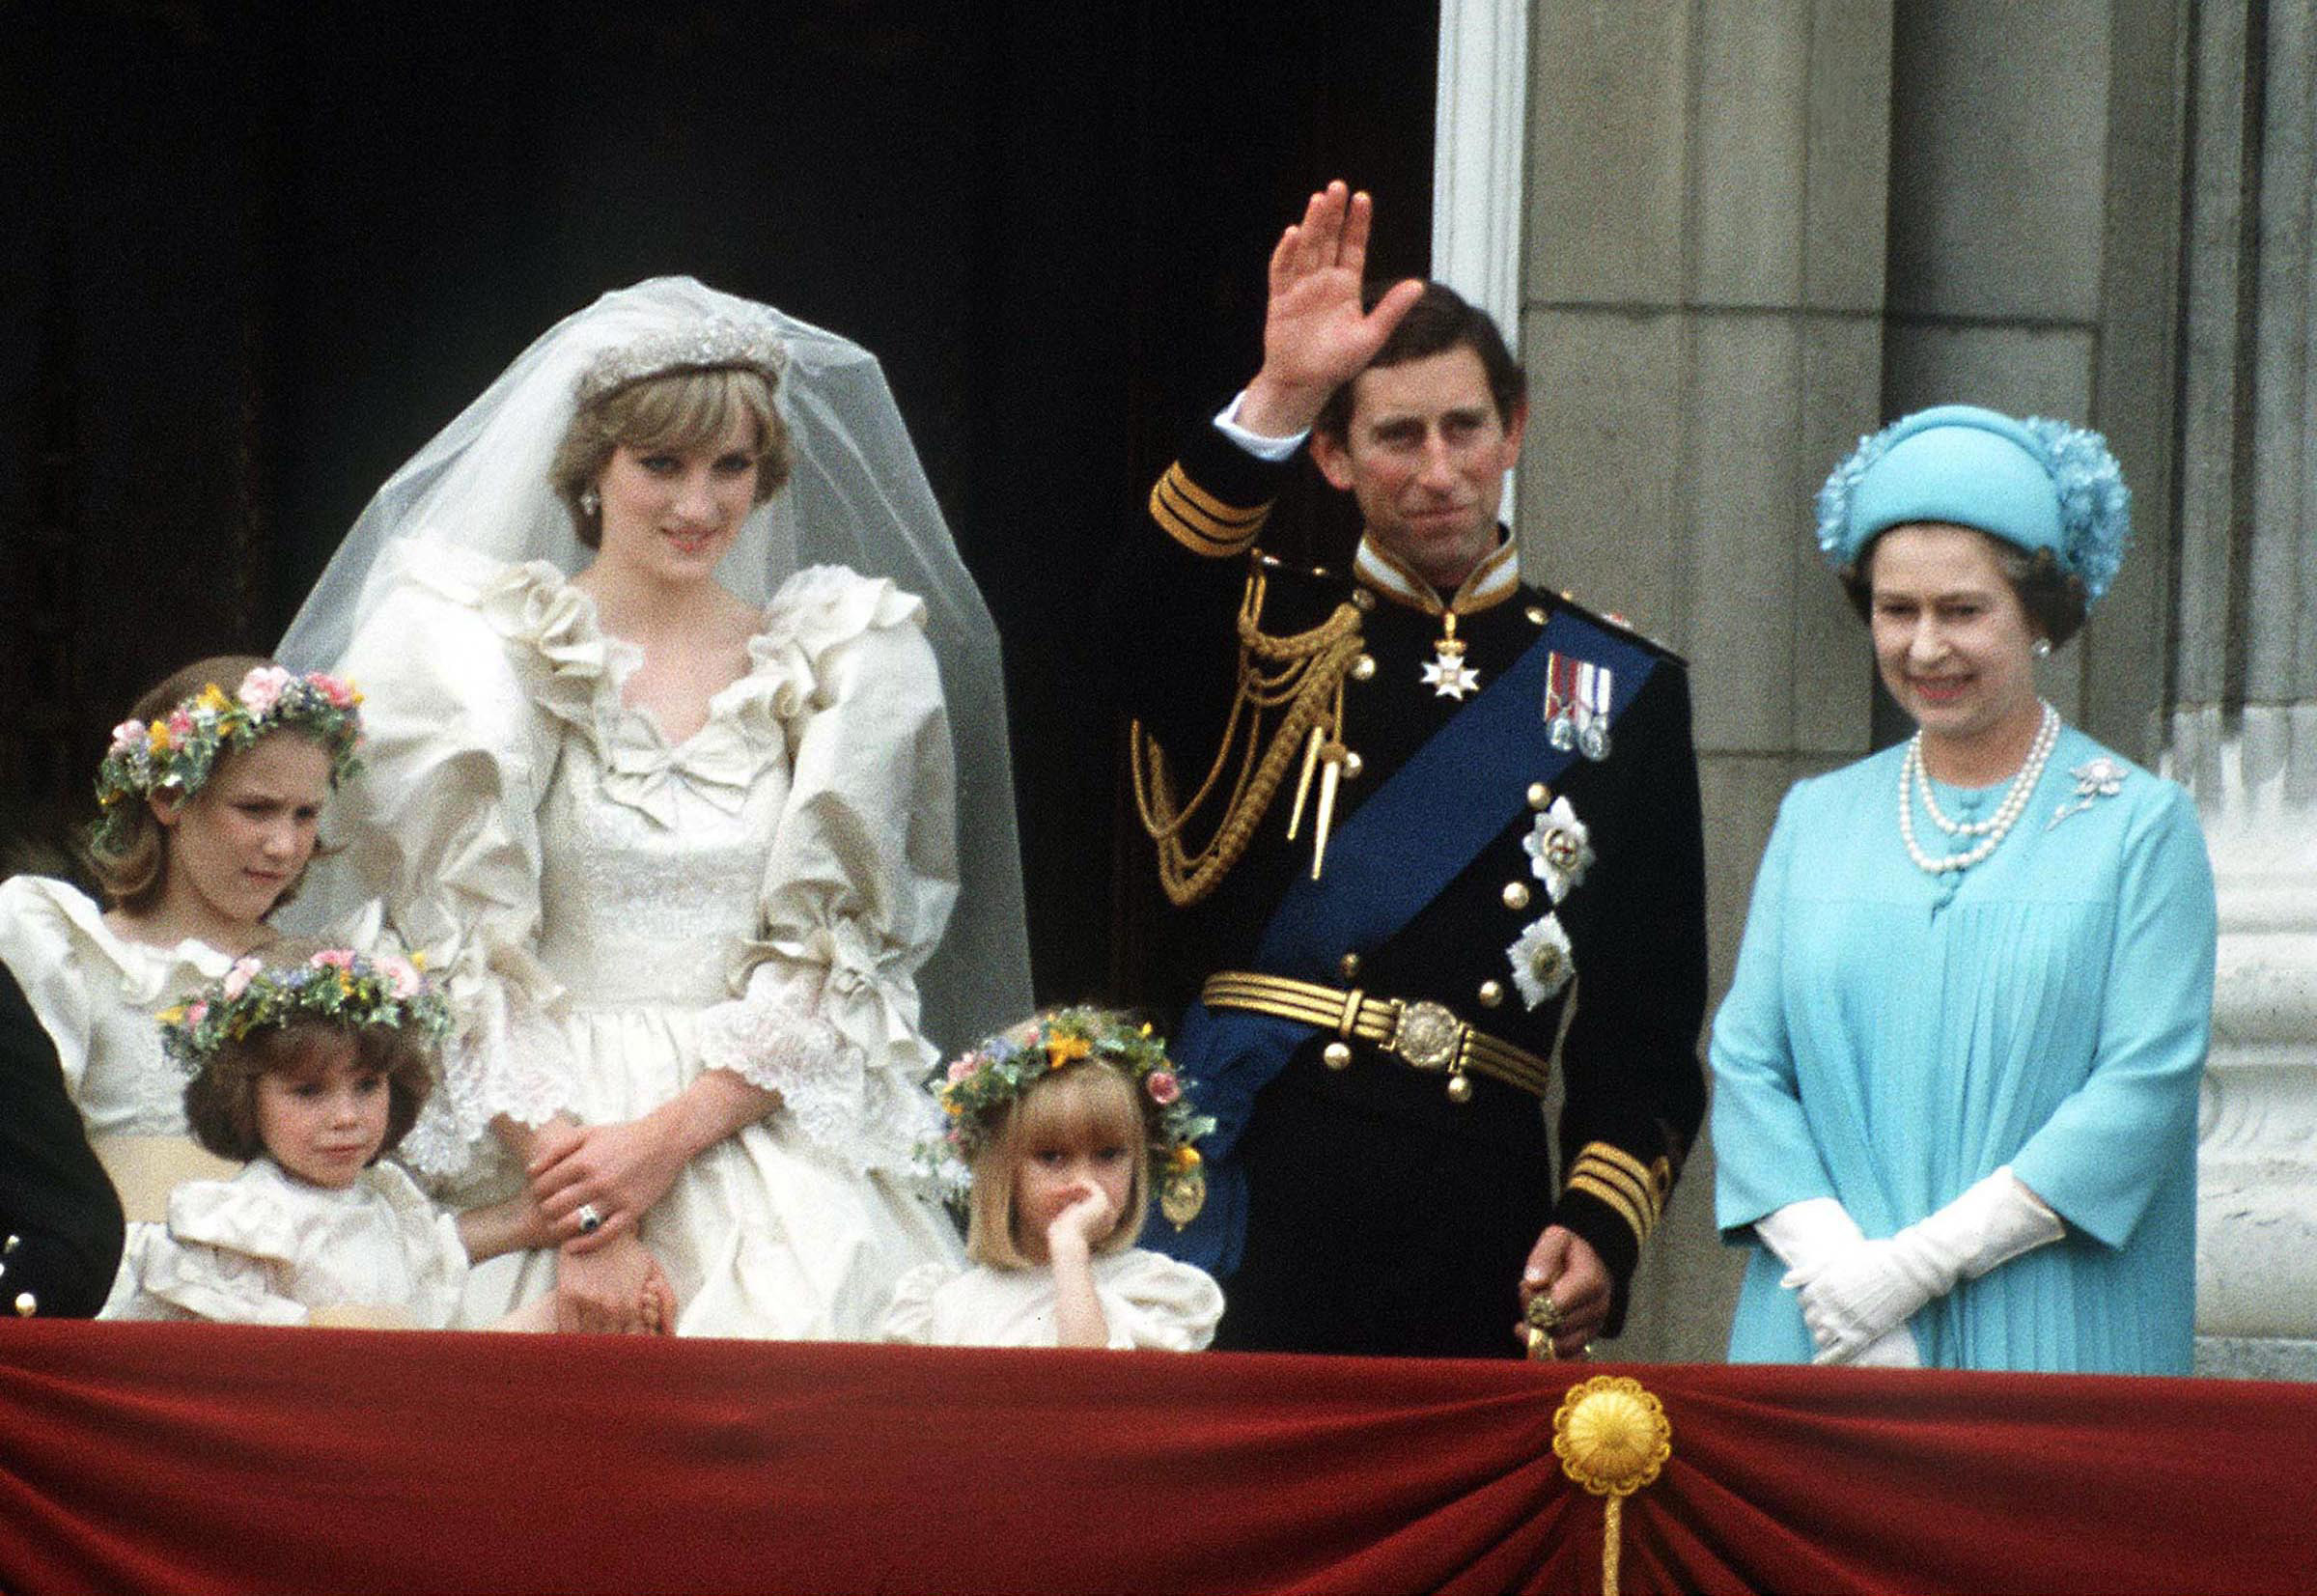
206	1458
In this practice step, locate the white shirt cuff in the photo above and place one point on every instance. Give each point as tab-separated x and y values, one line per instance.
1226	421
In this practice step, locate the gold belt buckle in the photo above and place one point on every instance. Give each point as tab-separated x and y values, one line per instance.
1426	1035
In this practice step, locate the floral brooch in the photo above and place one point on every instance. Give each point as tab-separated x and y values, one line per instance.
2096	778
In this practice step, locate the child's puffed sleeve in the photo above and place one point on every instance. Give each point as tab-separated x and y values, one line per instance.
859	882
909	1320
1158	1303
52	939
226	1255
471	673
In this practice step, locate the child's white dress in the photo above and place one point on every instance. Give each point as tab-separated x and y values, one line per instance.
1147	1301
268	1249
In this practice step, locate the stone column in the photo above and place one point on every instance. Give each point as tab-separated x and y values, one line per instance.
1703	328
2244	711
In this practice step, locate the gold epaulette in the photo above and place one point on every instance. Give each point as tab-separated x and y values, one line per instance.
1297	678
1610	621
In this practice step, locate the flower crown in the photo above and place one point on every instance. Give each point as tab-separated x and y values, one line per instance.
337	984
704	345
980	1087
177	752
2095	507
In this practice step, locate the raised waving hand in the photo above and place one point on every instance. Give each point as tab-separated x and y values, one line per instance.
1315	335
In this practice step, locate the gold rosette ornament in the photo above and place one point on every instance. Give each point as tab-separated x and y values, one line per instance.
1611	1436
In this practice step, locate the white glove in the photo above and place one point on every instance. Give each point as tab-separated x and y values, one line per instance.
1812	1234
1855	1298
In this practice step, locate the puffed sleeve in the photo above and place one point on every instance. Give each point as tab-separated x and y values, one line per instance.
2120	1136
910	1319
1765	1156
472	672
225	1255
859	882
39	944
1159	1304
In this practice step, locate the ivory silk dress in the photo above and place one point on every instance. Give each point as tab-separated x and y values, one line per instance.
1148	1300
267	1248
1890	1037
613	914
96	993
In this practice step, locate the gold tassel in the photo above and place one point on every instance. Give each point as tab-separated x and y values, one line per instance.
1611	1436
1299	678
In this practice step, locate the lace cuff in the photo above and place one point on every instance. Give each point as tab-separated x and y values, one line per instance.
869	1115
505	1058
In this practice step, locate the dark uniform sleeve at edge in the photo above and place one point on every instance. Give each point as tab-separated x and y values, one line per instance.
60	1221
1164	647
1635	1085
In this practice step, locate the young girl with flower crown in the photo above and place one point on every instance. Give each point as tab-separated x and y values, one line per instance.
208	799
1061	1124
311	1064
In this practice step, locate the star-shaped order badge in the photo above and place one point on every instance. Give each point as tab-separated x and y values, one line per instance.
1560	849
1541	960
1448	675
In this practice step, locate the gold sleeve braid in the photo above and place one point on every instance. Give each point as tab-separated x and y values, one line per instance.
1301	680
1201	523
1634	1191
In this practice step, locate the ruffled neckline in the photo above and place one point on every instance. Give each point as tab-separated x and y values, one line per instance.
147	971
584	669
262	1212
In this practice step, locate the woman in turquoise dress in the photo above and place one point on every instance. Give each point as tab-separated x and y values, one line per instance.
1956	1076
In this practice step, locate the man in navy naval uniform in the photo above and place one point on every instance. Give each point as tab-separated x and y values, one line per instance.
1431	833
60	1221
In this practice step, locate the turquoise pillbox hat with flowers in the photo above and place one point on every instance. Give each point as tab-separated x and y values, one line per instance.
2036	484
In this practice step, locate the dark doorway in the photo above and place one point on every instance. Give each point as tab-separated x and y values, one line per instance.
261	251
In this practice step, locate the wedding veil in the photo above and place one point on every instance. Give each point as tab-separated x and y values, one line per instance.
859	497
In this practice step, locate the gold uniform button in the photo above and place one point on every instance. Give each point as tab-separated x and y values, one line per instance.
1350	966
1491	993
1337	1055
10	1244
1353	762
1536	615
1362	600
1460	1090
1540	796
1516	895
1363	668
27	1305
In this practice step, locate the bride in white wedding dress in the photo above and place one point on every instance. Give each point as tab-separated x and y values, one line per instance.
679	828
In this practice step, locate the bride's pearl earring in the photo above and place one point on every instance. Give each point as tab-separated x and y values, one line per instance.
591	501
2040	648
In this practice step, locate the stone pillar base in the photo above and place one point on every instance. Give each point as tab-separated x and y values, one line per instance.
2256	1223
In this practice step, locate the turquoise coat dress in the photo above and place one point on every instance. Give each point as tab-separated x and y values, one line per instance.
1891	1037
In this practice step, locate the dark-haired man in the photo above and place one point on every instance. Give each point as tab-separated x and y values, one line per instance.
1431	833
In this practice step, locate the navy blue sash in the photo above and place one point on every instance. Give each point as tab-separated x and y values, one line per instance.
1396	853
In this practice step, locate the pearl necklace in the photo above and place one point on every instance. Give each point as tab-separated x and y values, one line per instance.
1992	832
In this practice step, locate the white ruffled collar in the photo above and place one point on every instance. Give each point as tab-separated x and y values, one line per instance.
147	971
584	669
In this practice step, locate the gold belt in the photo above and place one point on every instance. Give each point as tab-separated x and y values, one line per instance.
1421	1034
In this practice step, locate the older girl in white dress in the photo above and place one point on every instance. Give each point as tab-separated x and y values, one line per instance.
1064	1123
209	797
680	829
